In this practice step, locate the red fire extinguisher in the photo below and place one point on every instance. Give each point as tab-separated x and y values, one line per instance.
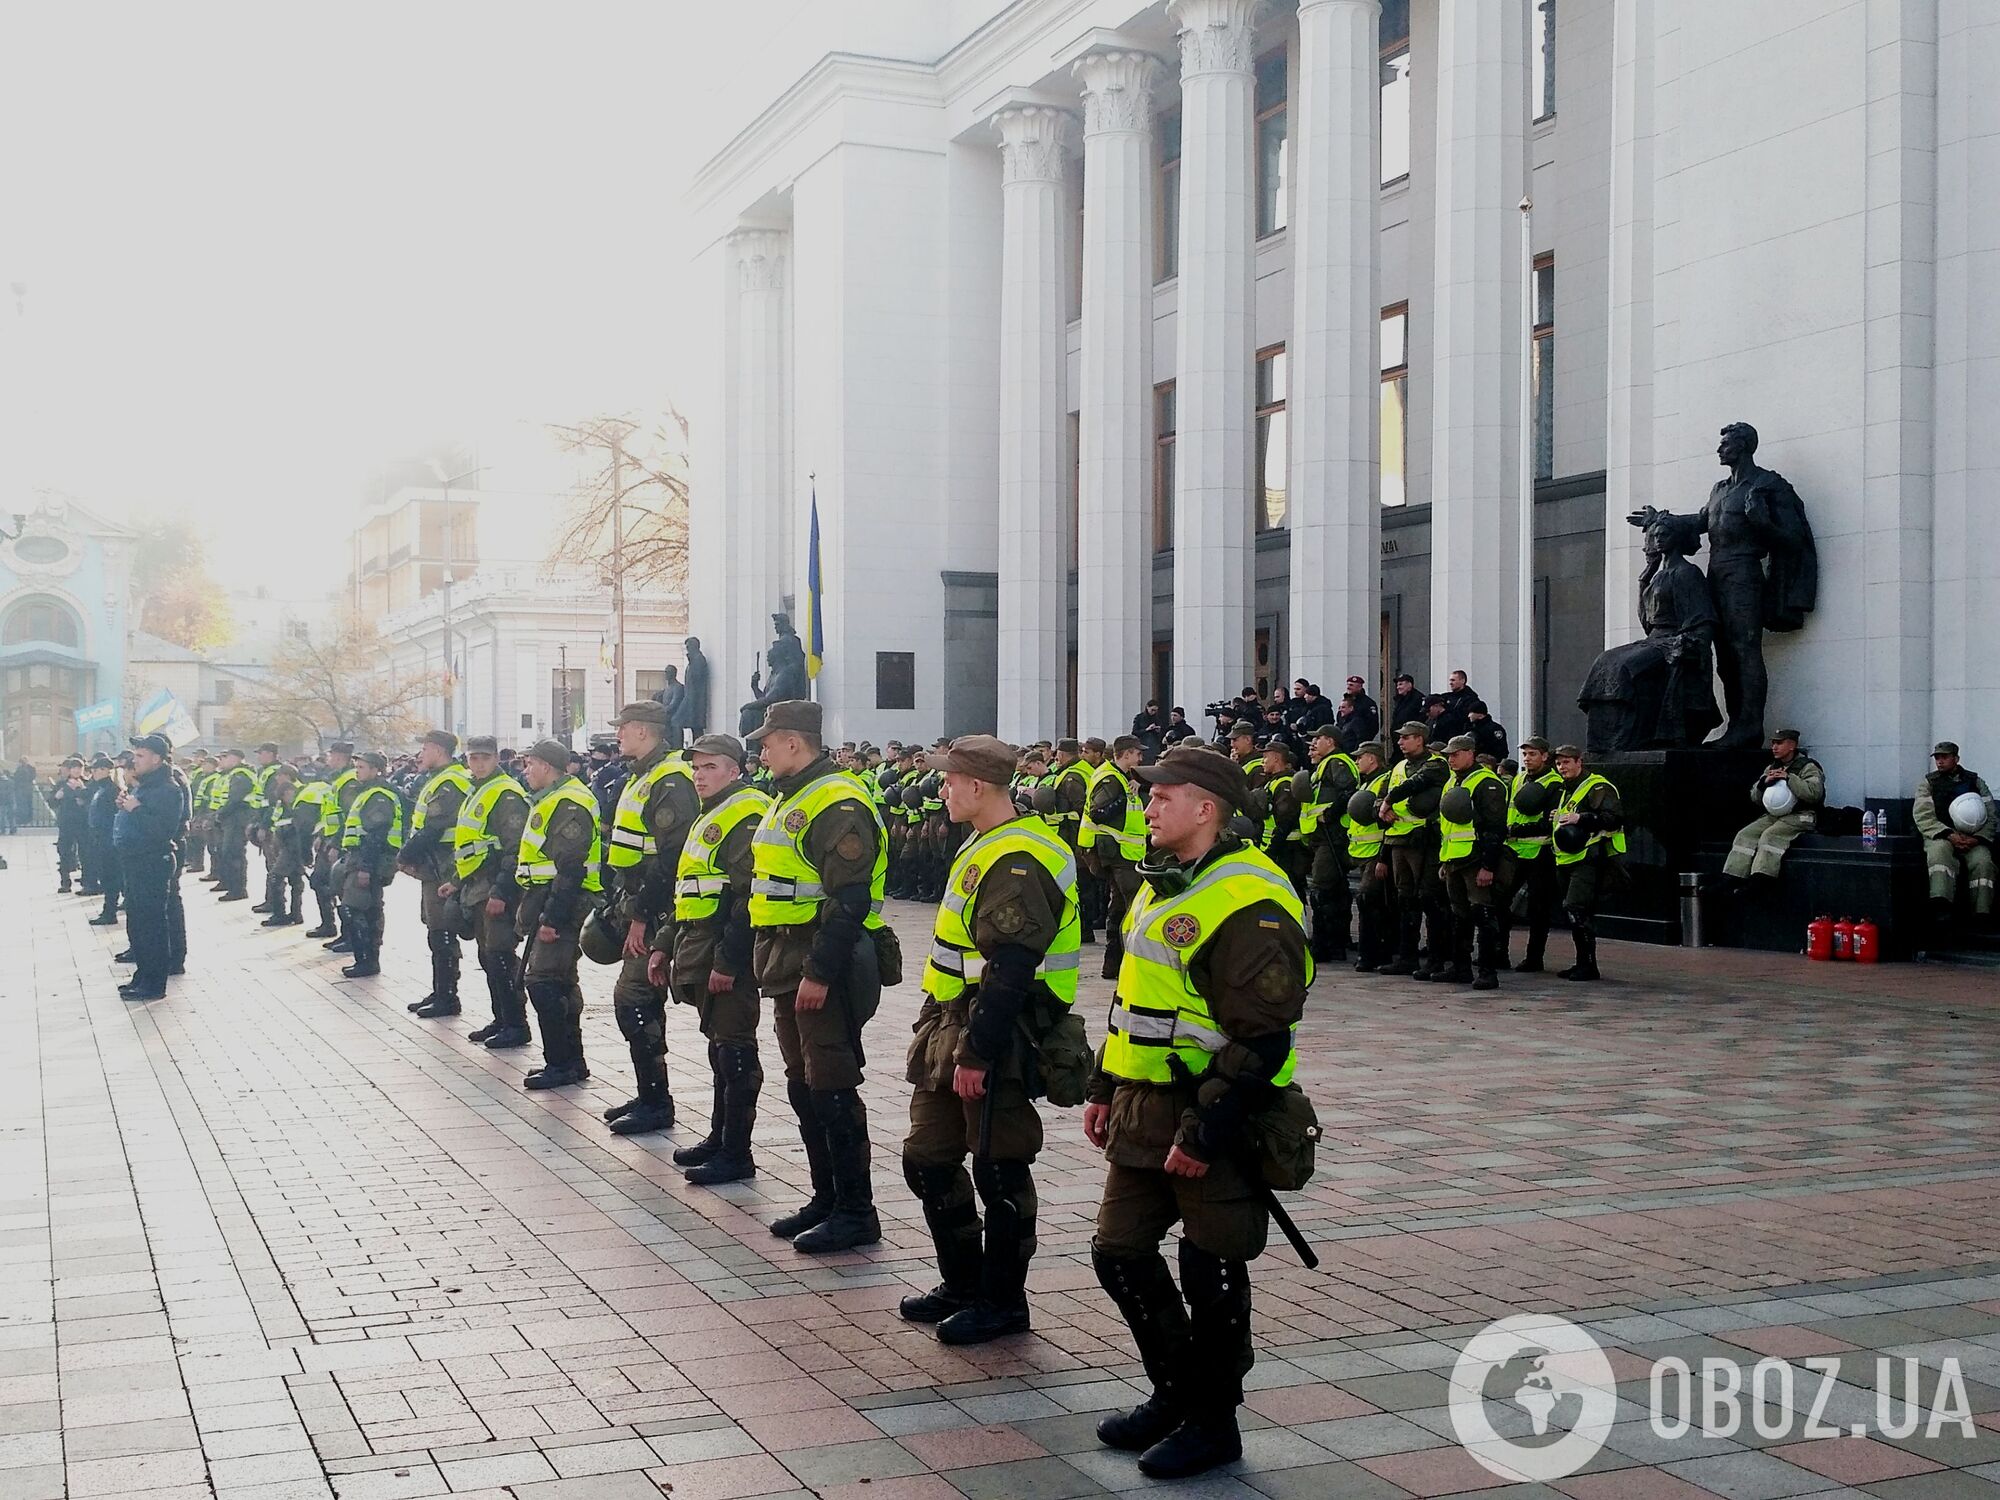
1843	938
1867	942
1819	939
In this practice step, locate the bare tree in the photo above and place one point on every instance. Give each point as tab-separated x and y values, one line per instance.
628	514
337	689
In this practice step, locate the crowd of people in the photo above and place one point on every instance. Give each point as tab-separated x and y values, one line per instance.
732	878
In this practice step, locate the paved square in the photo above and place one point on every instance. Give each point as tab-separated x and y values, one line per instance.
274	1237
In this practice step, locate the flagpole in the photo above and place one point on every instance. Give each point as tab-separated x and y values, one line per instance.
813	622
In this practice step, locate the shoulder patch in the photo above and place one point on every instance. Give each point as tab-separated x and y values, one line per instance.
1181	930
1275	981
795	821
712	834
969	881
851	846
1009	918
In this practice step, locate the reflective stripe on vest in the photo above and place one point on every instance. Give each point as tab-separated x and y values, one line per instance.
631	838
260	781
470	842
1068	822
1520	840
1455	839
1572	800
1406	822
331	813
955	962
533	866
699	879
1316	805
785	890
1364	840
452	775
1130	837
350	833
1158	1014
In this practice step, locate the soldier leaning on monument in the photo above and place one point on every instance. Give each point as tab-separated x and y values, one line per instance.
1953	811
1789	792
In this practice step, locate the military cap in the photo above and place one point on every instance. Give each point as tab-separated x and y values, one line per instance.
444	739
1278	746
1326	732
1437	700
1123	743
1093	743
1413	726
1535	742
157	743
269	747
1212	773
341	747
1568	752
645	711
375	758
1068	747
1373	747
1945	747
482	744
1785	734
892	747
551	752
125	757
980	756
1243	732
237	753
798	715
1406	677
726	745
1463	742
72	760
100	762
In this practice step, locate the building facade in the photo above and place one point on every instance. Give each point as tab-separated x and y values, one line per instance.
1133	350
65	598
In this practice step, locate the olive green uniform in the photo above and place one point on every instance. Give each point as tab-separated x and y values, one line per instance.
1930	810
372	857
1325	848
1474	909
550	971
1413	862
427	855
1760	845
493	937
720	944
1117	875
1072	795
644	893
1531	868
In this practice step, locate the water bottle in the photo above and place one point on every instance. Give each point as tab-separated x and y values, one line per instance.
1871	831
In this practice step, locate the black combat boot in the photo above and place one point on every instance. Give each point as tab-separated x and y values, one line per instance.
1145	1294
818	1161
1486	932
1584	931
366	965
1460	971
1538	942
655	1109
329	925
344	943
1218	1297
743	1075
510	1009
1008	1190
953	1216
561	1064
1409	928
853	1221
444	976
708	1145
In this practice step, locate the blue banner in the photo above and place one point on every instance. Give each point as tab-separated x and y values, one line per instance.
95	716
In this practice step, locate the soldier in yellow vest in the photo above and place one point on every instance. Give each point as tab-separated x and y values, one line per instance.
1112	842
1003	962
485	842
1530	859
234	813
1375	901
1209	997
261	832
558	868
1071	775
708	958
1472	829
1409	817
370	836
332	814
656	808
293	818
427	854
200	774
1323	835
816	909
1590	852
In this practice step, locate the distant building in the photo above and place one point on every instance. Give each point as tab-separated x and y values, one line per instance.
405	544
65	597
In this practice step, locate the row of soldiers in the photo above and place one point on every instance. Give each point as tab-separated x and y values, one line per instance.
705	889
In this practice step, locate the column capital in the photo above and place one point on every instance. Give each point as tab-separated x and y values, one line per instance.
1217	36
1034	142
760	258
1117	89
1374	6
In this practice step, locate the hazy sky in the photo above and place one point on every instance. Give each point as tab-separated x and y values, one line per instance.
267	245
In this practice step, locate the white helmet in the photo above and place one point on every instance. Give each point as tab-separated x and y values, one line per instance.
1968	812
1778	798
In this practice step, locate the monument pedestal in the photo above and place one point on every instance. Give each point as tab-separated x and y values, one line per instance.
1675	802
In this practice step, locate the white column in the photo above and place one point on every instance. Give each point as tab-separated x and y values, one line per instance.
1482	120
1034	576
761	507
1334	357
1628	444
1965	603
1114	553
1215	350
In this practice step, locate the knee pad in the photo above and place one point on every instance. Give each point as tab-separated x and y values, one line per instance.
1212	1283
944	1191
801	1099
1139	1284
1005	1186
631	1022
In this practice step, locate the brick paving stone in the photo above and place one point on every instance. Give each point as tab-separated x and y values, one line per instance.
274	1226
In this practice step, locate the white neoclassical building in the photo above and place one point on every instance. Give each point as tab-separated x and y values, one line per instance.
1154	350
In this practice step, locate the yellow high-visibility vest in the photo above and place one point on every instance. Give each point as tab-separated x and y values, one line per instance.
470	842
699	879
955	964
533	865
785	890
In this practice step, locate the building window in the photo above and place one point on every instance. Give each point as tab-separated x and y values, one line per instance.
648	682
1271	445
1545	367
566	709
1163	466
1167	200
40	620
1395	91
1543	60
1163	672
1272	197
1395	402
895	679
225	692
